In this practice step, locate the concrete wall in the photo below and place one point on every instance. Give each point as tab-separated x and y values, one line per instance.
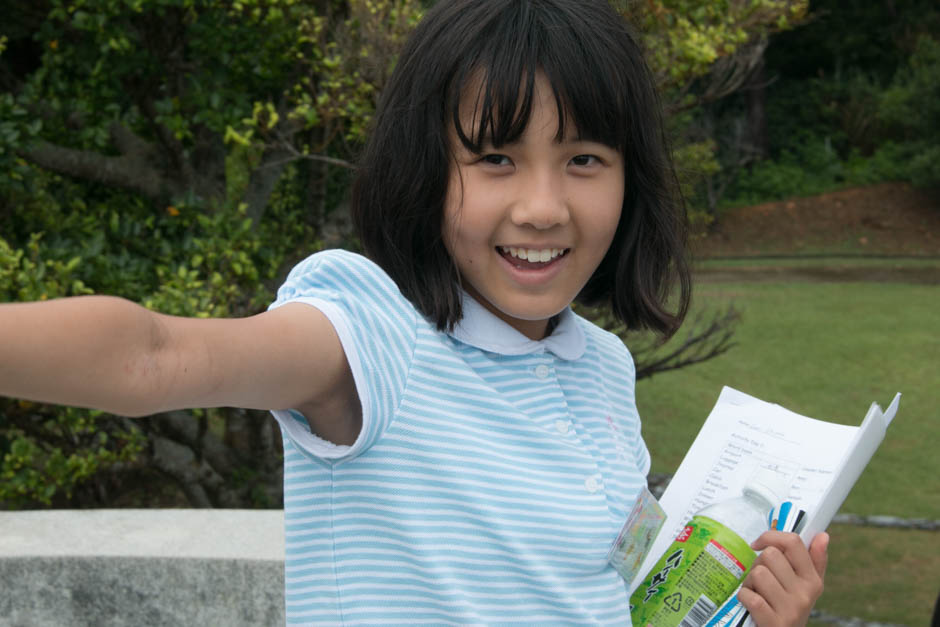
142	567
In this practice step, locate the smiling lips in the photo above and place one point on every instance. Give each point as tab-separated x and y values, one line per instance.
531	258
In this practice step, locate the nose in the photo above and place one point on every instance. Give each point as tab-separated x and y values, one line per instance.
541	202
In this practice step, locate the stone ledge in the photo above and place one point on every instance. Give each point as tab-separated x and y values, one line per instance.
142	567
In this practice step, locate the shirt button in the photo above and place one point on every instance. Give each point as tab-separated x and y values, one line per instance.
541	371
562	426
592	485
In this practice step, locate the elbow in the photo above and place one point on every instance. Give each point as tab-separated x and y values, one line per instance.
144	377
136	393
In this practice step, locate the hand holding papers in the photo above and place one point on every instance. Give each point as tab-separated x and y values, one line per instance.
820	460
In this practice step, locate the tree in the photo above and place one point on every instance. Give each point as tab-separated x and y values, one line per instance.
849	101
152	97
166	150
183	153
702	52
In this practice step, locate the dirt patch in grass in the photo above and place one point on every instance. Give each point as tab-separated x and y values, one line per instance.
821	274
885	219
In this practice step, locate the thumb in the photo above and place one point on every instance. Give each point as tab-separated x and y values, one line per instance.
819	552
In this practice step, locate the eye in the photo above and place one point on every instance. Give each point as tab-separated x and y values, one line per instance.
584	160
495	159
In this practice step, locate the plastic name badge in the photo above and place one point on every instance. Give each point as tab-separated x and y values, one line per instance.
637	535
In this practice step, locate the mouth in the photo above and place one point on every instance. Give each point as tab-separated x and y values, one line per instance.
531	258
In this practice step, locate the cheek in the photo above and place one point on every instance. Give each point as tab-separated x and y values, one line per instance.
458	232
463	240
468	226
603	219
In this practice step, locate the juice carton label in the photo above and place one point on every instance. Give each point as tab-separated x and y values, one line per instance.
699	570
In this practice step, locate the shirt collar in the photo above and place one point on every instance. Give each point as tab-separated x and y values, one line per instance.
480	328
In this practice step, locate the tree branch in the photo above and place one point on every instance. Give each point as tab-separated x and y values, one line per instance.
179	462
129	143
208	155
127	171
732	72
263	179
296	155
701	344
727	75
273	161
184	428
173	146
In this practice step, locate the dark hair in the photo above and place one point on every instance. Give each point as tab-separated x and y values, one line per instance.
600	82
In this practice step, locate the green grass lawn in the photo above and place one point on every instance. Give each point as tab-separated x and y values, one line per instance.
830	260
827	350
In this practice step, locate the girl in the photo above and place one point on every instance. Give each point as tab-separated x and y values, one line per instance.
460	447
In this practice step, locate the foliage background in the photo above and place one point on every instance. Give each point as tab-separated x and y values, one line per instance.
851	98
175	153
185	154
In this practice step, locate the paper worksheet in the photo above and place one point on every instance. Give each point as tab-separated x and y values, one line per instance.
819	460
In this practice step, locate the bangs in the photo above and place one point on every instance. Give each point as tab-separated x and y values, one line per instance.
498	75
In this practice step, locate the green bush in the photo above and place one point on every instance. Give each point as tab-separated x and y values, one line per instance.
852	98
173	153
911	107
812	168
180	260
852	132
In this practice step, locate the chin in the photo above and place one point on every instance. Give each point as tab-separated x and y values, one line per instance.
534	312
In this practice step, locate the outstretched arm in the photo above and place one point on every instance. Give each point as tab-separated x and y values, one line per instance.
108	353
785	580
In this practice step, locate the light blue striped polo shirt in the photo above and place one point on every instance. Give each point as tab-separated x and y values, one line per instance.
491	475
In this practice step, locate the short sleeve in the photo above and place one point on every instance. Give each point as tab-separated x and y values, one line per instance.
377	328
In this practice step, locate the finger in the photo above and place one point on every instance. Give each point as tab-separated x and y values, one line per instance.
819	553
769	603
792	546
773	578
788	576
758	607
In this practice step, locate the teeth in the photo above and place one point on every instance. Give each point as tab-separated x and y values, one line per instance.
532	254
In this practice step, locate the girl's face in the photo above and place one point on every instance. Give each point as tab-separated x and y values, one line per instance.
529	223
